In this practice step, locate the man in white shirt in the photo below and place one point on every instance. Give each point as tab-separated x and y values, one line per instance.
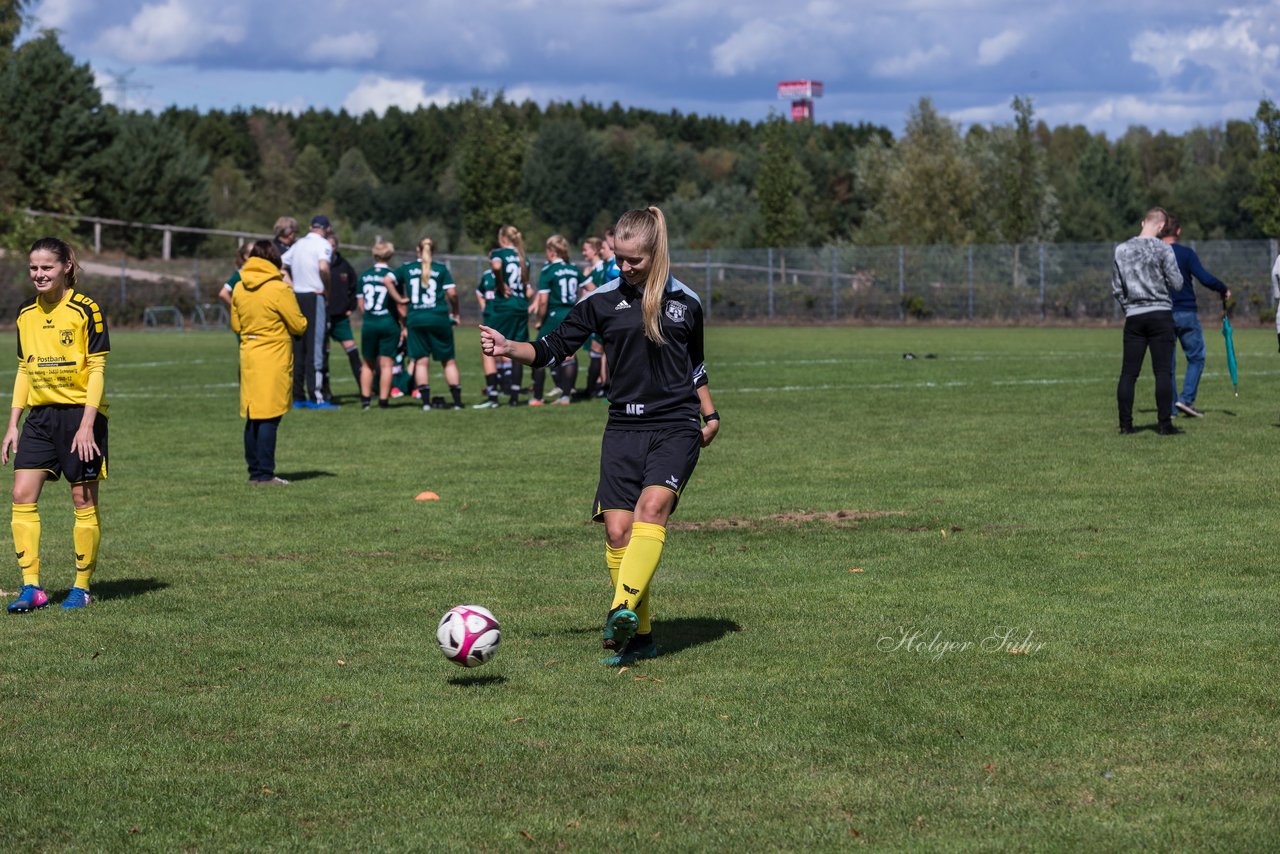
307	263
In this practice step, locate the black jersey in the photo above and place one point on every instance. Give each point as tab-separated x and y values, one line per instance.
649	386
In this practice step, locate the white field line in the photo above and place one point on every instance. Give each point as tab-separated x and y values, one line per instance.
1108	380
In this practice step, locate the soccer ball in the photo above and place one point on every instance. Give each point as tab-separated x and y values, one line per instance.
468	635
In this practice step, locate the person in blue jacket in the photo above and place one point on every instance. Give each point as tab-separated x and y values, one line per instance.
1186	318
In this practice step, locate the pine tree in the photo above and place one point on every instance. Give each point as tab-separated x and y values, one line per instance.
12	17
566	181
51	127
780	186
489	172
354	188
150	173
311	176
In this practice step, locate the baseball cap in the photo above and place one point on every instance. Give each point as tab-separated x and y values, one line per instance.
319	221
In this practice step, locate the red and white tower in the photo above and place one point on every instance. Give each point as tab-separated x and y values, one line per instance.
801	93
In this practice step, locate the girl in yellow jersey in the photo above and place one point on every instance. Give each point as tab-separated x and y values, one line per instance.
62	358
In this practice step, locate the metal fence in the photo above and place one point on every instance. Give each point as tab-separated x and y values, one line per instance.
1001	284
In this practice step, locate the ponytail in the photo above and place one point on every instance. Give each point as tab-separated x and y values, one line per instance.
649	227
517	240
511	234
425	246
560	246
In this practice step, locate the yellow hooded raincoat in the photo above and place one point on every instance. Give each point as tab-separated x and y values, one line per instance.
265	314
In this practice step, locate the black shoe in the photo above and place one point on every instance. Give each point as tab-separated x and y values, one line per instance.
1169	430
1126	429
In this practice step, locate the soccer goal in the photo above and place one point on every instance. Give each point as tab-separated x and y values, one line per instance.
162	317
211	315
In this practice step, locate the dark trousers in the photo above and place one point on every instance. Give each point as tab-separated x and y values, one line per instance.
308	348
1150	331
260	447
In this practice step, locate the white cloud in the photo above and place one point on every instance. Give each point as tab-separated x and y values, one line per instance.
1128	110
378	93
346	49
995	49
163	32
1240	53
756	42
988	114
57	14
916	60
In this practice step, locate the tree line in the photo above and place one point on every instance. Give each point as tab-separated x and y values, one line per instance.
459	171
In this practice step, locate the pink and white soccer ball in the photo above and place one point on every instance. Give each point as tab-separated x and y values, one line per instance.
469	635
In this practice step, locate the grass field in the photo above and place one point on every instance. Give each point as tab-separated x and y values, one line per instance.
931	604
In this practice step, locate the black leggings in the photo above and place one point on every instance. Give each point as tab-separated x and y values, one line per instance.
1152	330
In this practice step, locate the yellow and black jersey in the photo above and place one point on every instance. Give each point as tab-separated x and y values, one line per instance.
62	351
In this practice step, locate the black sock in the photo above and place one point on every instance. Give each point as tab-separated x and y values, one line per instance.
424	394
365	401
593	375
568	377
353	356
456	392
539	382
517	377
383	403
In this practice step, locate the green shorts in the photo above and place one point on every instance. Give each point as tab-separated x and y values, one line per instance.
431	341
340	329
553	321
513	326
379	337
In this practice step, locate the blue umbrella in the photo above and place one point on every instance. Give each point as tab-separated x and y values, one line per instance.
1231	350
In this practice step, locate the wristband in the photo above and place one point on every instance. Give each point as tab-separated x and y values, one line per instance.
714	416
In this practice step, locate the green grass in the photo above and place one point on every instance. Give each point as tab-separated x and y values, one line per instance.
260	670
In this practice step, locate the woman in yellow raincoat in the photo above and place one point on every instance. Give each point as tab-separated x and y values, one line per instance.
265	314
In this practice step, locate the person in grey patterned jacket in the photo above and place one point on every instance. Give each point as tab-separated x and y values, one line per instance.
1144	274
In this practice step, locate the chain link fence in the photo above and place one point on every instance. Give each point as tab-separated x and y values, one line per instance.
997	284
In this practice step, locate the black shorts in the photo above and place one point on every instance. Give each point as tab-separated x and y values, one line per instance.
45	444
631	460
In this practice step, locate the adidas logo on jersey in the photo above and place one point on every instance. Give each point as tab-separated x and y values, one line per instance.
620	306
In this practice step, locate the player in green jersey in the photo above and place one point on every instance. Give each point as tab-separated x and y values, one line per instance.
484	298
382	306
432	314
593	249
558	285
229	286
512	294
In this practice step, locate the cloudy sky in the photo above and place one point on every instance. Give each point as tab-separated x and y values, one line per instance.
1171	64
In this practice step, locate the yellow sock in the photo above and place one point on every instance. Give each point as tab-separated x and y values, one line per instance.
26	541
86	535
644	622
639	564
613	559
